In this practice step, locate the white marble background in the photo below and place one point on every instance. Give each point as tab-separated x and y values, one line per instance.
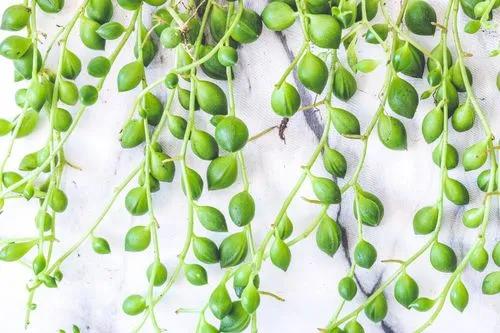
94	286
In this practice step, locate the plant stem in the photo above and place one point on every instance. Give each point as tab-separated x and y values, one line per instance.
301	10
52	108
103	214
289	69
479	243
182	155
381	289
310	228
333	322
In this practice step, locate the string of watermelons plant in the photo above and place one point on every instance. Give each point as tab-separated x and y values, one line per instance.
151	109
95	29
15	18
231	134
223	170
392	134
40	92
428	220
474	157
139	238
364	252
313	72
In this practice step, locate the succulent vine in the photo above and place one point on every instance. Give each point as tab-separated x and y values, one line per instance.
46	90
205	38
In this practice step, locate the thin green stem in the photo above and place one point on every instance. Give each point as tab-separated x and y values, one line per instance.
487	11
301	10
259	255
53	106
289	69
153	226
310	228
382	287
101	217
52	44
183	152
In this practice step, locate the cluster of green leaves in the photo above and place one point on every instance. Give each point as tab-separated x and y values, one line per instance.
210	42
315	75
207	35
45	89
405	57
206	39
54	93
448	79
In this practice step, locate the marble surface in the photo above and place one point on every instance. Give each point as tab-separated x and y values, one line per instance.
94	286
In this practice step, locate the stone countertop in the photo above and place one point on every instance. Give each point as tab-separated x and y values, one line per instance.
94	286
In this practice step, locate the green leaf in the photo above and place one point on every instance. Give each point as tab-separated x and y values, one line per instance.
366	65
137	239
130	76
134	305
14	47
285	100
15	251
491	283
110	30
5	126
136	201
220	302
312	72
233	250
89	36
365	254
443	258
250	298
406	290
328	235
205	250
242	208
28	124
326	190
280	254
194	182
15	17
344	84
422	304
222	172
376	310
391	132
459	296
204	145
50	6
100	245
371	208
236	320
472	26
425	220
211	218
334	162
71	65
345	122
195	274
347	288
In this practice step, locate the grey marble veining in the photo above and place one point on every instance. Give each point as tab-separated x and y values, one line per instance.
94	286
